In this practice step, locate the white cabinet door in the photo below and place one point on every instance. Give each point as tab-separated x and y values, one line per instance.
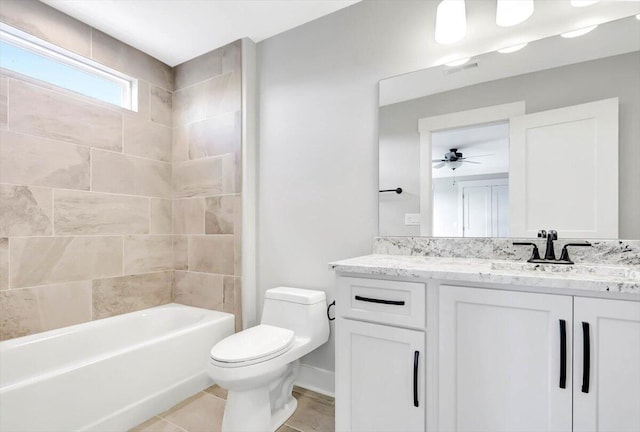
563	171
611	401
500	362
376	369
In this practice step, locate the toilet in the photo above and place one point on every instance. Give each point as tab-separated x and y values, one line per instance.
259	365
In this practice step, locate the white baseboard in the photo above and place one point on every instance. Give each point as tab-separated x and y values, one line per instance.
318	380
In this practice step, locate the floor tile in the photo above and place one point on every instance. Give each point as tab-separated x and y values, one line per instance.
216	390
200	413
157	424
315	413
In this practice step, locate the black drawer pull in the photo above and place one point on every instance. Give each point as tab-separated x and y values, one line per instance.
586	357
416	355
381	301
563	354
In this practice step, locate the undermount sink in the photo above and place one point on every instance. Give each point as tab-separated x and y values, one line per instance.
574	269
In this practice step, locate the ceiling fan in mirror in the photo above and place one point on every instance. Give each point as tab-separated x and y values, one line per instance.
454	159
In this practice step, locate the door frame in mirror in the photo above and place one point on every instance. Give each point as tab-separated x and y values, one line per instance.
428	125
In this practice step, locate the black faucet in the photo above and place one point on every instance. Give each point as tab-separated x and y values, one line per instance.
550	254
551	235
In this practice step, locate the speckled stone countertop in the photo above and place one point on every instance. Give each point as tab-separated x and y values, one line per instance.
611	278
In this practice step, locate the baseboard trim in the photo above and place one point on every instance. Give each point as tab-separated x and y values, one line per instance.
318	380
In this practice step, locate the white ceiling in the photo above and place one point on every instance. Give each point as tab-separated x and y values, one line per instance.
487	139
175	31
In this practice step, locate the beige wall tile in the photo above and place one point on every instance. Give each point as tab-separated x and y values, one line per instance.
143	100
4	263
147	139
220	214
35	161
26	211
199	289
212	254
120	173
180	143
3	102
133	62
161	216
46	23
188	216
215	136
210	176
161	101
233	299
207	99
32	310
146	254
180	252
50	114
46	260
84	213
125	294
214	63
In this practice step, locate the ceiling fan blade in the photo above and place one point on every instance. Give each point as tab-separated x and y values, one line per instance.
468	161
438	160
474	156
440	165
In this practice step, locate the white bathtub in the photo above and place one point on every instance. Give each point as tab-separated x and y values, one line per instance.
109	374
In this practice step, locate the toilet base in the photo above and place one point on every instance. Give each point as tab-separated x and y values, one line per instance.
261	409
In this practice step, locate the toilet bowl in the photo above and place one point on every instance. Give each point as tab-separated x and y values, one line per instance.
259	365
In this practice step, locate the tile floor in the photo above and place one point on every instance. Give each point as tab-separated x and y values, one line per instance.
203	413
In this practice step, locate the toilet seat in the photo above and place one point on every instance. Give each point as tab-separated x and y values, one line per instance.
254	345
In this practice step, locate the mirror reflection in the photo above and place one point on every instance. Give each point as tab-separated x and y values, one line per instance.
547	138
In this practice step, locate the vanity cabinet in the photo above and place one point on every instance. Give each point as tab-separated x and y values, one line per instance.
505	362
380	366
444	357
500	360
612	332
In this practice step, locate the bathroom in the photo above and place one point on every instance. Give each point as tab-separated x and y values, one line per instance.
242	160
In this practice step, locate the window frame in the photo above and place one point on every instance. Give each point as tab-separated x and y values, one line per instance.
23	40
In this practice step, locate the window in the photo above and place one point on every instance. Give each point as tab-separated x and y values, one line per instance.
35	58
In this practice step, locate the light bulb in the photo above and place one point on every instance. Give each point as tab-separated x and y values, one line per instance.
582	3
512	12
458	62
451	21
579	32
513	48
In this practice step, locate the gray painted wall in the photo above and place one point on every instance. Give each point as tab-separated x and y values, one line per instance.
318	135
615	76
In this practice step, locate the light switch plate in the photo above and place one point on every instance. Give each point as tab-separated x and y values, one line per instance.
412	218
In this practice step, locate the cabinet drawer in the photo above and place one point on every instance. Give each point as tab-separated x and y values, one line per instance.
383	301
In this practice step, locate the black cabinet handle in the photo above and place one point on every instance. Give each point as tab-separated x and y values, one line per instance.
416	355
563	354
586	357
381	301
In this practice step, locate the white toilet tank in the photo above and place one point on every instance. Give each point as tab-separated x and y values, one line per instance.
301	310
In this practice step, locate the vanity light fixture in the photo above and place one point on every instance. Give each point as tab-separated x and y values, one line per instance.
512	12
579	32
451	21
638	17
458	62
513	48
582	3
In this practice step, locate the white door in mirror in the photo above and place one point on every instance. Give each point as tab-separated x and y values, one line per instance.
564	171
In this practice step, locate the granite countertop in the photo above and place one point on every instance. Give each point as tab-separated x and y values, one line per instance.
599	278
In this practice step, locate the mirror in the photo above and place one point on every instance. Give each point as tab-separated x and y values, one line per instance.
506	144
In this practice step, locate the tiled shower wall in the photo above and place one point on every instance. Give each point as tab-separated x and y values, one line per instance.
86	191
207	180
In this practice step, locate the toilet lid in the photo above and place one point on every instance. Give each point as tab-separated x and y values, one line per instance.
251	344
